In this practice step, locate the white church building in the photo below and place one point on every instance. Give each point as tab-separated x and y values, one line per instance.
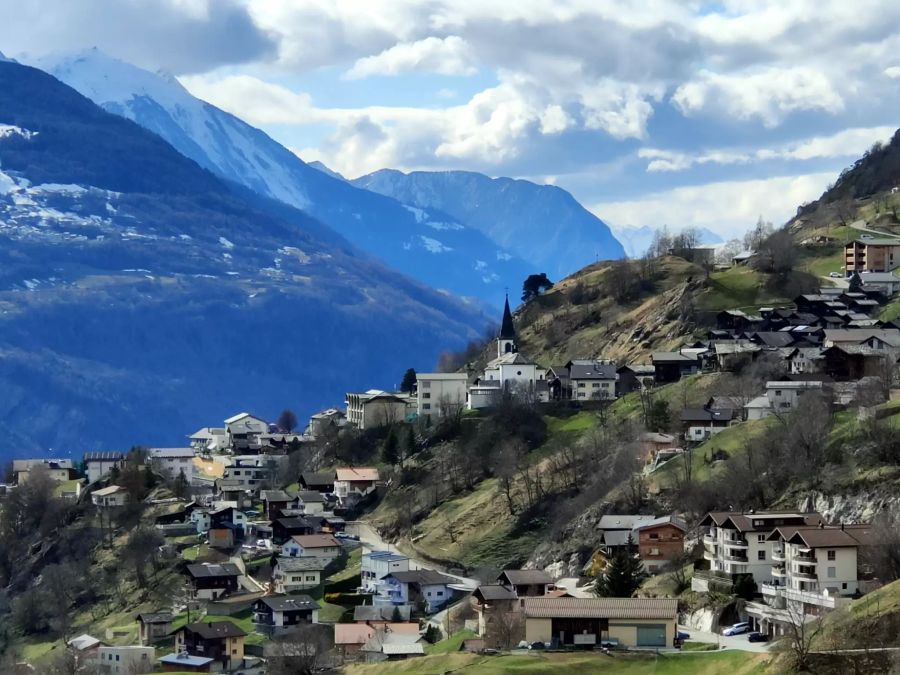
510	373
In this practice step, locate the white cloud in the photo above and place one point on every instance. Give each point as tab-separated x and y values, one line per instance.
728	208
446	56
846	143
769	94
892	72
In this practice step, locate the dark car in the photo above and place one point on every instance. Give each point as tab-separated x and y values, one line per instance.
537	645
682	635
757	637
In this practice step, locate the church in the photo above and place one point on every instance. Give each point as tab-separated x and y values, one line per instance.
510	373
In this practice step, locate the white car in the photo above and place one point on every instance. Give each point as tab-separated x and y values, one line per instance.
835	275
737	629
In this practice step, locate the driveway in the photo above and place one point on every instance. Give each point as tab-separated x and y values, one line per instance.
739	642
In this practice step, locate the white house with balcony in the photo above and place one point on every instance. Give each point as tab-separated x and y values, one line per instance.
736	543
376	565
814	567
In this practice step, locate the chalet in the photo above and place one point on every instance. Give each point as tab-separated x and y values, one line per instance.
584	622
85	649
153	626
355	482
285	528
277	613
592	380
736	321
234	491
652	442
227	519
617	529
659	542
99	464
275	500
209	439
859	336
634	377
804	359
292	575
221	641
349	638
887	283
493	602
525	583
772	340
311	502
110	497
242	432
387	644
320	482
699	424
331	524
848	362
672	366
732	355
210	582
426	587
376	565
322	546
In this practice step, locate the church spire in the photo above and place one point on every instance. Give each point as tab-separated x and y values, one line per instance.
507	330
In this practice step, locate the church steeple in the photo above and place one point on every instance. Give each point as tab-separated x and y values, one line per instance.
506	340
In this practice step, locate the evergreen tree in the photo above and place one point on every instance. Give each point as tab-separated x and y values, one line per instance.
410	447
180	486
622	575
409	380
856	283
658	416
287	420
396	617
389	451
534	285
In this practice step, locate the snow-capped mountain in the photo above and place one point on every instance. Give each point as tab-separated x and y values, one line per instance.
427	245
543	224
142	297
636	240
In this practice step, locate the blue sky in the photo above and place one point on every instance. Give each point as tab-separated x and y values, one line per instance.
650	113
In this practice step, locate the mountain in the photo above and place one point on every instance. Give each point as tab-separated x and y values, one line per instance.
542	224
142	297
427	245
636	240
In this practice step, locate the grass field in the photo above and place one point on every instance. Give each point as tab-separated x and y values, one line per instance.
708	663
738	287
450	644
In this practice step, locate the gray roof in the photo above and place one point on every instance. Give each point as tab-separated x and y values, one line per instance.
275	496
165	453
663	520
313	478
104	456
422	577
495	592
609	608
310	496
618	537
199	571
310	564
640	368
371	613
622	522
592	371
671	357
711	415
526	577
216	629
869	277
287	603
884	241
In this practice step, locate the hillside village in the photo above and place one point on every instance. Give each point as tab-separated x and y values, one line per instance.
687	484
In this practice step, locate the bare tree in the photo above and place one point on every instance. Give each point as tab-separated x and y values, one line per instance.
504	629
302	651
802	633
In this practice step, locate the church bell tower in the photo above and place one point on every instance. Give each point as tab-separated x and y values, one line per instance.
506	340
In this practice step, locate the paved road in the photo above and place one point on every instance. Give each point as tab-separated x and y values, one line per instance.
739	642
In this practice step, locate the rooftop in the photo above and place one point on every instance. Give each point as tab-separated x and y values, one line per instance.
316	540
526	577
216	629
359	473
287	603
205	571
610	608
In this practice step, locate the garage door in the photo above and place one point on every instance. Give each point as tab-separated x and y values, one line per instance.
653	635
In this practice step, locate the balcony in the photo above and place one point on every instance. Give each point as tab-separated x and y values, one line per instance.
710	538
778	571
735	557
778	554
736	543
709	555
805	573
808	558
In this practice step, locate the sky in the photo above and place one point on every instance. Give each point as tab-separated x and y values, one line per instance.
652	112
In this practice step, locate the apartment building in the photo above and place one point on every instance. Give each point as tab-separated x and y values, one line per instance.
737	543
872	255
814	567
440	394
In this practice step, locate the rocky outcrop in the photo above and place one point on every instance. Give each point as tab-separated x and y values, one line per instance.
856	507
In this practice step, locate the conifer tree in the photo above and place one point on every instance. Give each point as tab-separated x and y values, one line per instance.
622	575
389	451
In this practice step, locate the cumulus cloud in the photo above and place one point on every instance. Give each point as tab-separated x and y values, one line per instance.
892	72
728	208
182	36
769	94
446	56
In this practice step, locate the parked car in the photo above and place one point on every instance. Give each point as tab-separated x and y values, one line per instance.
835	275
756	636
682	635
490	652
537	645
737	629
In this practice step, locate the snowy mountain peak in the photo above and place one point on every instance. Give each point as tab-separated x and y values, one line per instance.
5	58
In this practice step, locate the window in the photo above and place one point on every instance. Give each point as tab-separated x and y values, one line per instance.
426	395
844	586
778	392
426	406
440	593
581	385
595	385
832	572
654	535
426	385
654	551
760	538
832	555
760	555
